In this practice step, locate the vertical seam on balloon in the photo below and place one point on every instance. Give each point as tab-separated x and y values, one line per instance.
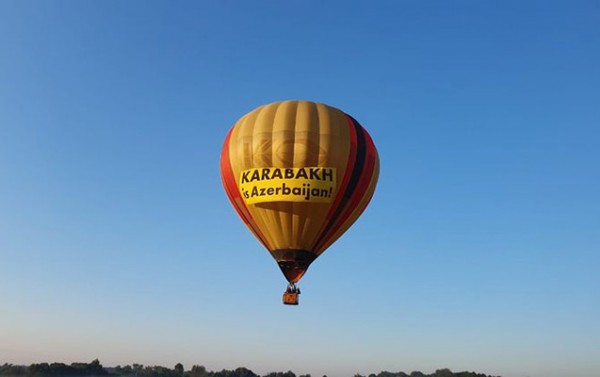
302	220
275	214
313	141
294	215
267	216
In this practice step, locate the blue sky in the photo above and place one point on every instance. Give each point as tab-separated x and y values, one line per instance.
479	251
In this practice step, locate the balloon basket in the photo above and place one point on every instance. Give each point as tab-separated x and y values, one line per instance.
290	296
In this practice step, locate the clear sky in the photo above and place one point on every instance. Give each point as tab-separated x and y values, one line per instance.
480	250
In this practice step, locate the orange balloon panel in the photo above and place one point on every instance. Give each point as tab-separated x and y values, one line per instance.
299	174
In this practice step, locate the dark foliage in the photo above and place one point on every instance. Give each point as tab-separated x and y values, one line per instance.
95	369
54	370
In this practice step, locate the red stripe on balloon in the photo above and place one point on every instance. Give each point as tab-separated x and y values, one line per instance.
233	193
362	174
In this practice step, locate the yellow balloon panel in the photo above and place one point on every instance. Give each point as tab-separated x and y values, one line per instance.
291	134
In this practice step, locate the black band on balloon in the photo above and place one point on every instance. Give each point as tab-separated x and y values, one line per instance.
357	170
293	255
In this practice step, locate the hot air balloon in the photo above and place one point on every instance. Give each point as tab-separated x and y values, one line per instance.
299	174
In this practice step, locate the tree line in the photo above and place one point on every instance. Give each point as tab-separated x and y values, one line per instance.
95	369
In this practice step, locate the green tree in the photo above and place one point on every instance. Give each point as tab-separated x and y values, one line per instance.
198	371
138	369
443	373
179	369
39	370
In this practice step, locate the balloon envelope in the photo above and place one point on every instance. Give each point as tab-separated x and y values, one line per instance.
299	174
